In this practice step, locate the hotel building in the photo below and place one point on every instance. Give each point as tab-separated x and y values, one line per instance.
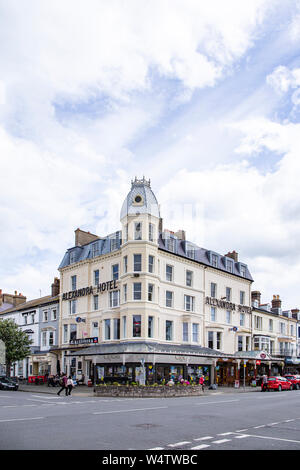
145	304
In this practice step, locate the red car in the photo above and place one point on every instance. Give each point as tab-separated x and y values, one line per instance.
278	383
295	379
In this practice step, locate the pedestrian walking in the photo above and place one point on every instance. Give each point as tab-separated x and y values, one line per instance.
70	385
264	383
63	385
201	382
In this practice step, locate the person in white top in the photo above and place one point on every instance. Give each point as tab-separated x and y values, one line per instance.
70	385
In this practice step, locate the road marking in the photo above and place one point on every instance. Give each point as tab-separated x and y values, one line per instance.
241	430
214	402
183	443
156	448
128	411
20	419
202	446
261	426
221	441
225	434
205	438
242	436
273	438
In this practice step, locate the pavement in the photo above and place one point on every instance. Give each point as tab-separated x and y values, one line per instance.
85	391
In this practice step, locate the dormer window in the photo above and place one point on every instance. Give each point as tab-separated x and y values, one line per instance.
229	265
170	244
190	251
243	270
214	260
95	249
72	257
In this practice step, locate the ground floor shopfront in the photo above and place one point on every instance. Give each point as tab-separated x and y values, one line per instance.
144	363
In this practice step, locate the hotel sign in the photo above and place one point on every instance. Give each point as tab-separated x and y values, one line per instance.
84	341
102	287
228	305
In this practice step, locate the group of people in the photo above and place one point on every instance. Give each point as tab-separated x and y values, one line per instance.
66	384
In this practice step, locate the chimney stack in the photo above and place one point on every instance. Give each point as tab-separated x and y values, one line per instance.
55	287
256	295
295	313
276	302
233	254
82	237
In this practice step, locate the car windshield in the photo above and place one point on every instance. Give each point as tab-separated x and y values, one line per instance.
5	379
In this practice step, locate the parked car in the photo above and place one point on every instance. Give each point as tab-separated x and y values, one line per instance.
278	383
295	379
6	383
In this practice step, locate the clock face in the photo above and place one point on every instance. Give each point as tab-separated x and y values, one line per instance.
138	199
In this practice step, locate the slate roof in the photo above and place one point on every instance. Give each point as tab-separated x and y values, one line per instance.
32	304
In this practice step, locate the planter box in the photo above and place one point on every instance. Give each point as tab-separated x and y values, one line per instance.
137	391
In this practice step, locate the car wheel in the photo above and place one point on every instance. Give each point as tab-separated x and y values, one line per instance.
279	388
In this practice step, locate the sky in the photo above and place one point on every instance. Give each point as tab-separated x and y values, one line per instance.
202	98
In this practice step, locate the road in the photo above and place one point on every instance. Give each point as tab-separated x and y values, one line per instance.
223	421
